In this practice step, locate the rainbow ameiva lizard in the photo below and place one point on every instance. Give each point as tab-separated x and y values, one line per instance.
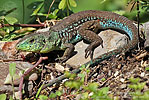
83	25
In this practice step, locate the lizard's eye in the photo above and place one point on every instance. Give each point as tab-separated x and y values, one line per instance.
31	40
44	41
49	38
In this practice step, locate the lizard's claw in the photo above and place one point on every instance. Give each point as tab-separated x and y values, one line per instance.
89	51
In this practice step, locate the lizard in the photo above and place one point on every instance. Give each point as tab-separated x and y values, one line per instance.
79	26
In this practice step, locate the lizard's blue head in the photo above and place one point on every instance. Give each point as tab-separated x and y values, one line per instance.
32	43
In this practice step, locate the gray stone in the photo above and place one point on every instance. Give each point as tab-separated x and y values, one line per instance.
111	41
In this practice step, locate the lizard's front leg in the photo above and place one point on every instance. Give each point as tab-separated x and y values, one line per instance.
88	32
68	52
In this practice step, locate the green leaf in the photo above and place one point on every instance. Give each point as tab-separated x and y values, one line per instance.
102	94
58	93
26	99
134	86
10	37
82	67
8	79
9	5
10	98
146	94
73	84
141	85
55	11
3	96
53	15
120	12
87	71
7	29
82	76
39	90
68	5
147	68
73	3
84	95
62	4
70	75
93	86
43	97
134	80
103	79
76	84
23	30
38	9
104	90
12	69
52	95
11	20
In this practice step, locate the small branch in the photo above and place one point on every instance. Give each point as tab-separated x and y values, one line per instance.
50	8
138	19
22	25
60	78
56	80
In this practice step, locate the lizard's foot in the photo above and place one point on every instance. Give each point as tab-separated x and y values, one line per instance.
89	51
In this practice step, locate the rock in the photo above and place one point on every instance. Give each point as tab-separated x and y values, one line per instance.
122	80
33	77
142	74
59	67
116	73
146	29
111	41
4	71
123	86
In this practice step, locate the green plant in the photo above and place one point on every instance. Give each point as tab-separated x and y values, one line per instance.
67	4
144	5
147	68
137	88
78	85
12	71
3	96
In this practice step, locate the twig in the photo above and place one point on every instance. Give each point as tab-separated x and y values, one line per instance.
60	78
56	80
22	25
50	8
26	73
138	20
